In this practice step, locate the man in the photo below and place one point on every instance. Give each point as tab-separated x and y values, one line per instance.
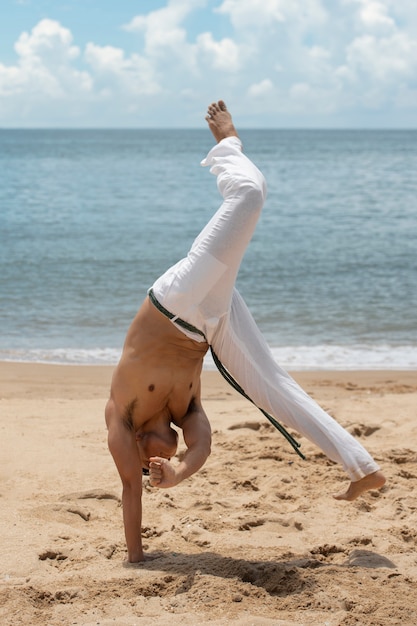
195	305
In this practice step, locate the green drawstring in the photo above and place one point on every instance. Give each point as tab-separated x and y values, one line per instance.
226	375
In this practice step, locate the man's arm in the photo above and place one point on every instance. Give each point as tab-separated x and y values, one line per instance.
197	437
122	445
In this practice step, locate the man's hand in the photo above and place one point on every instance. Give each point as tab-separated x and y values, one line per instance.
161	473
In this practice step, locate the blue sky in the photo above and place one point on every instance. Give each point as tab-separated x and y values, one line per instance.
277	63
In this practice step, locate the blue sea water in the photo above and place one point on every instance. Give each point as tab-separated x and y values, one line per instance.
89	219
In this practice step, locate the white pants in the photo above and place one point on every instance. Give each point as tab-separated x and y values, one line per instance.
200	290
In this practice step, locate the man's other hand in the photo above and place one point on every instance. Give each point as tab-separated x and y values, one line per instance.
161	473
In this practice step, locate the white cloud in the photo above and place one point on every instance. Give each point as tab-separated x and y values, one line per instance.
250	14
384	61
168	48
382	71
319	53
263	88
49	43
113	71
222	55
374	16
171	51
307	98
44	69
163	32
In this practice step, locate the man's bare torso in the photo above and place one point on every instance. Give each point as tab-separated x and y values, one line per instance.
159	371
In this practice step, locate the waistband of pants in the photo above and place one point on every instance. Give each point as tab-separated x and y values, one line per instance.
171	316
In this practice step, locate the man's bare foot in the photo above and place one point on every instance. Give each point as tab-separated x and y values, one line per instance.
355	489
220	121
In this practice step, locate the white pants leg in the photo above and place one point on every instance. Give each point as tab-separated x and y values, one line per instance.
200	290
244	352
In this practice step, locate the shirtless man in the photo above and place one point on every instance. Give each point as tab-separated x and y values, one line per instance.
157	381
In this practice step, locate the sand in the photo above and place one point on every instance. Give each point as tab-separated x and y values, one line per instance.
254	538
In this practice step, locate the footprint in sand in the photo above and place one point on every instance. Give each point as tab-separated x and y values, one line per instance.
327	550
43	599
362	541
79	508
402	456
85	515
407	475
193	533
53	557
108	550
405	533
250	425
248	525
245	484
362	430
149	532
93	494
276	579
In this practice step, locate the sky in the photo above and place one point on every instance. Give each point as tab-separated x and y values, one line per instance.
157	64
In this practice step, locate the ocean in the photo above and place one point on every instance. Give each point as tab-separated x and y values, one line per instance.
90	218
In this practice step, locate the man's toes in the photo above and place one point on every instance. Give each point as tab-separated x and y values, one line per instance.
213	108
222	105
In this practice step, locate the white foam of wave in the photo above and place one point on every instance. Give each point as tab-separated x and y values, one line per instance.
67	356
330	357
296	358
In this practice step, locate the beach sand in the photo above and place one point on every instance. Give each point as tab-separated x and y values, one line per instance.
254	538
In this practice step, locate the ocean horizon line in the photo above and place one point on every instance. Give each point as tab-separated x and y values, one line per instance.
244	128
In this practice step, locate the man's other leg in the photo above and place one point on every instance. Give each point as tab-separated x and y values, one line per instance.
243	350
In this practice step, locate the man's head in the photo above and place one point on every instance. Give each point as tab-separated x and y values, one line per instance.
161	443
